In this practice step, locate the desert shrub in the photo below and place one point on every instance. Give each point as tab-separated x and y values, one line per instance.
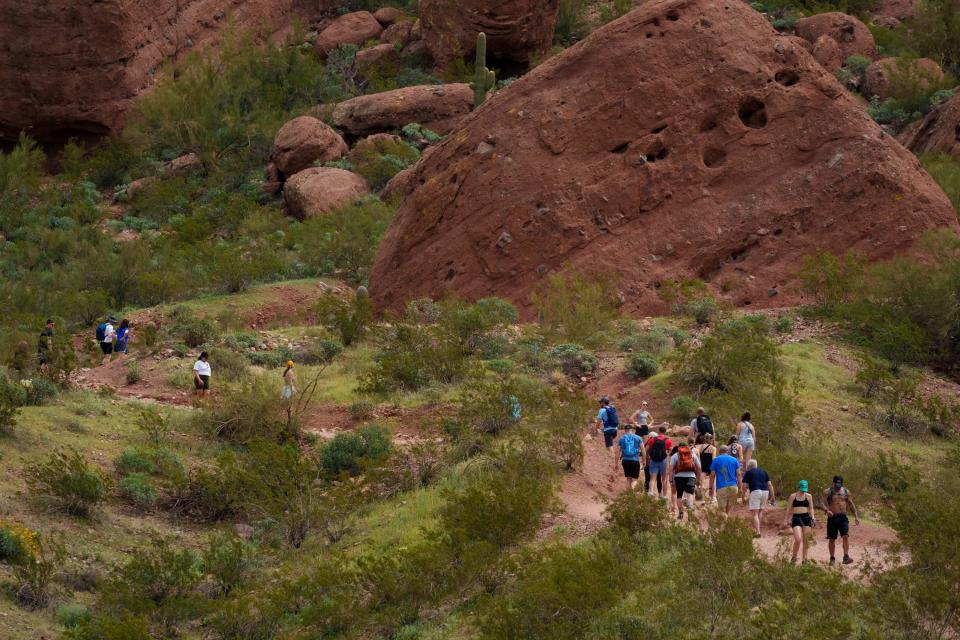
361	409
133	374
377	166
123	626
34	574
574	360
423	311
320	351
576	307
615	10
412	357
349	320
890	475
228	559
12	397
17	543
684	406
492	403
945	169
338	506
784	323
39	391
241	340
66	480
154	426
690	298
473	323
933	32
634	513
657	341
211	494
347	452
642	365
561	423
254	411
231	366
72	615
137	489
571	22
134	461
271	359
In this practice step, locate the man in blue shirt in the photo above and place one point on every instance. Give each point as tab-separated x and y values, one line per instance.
630	446
609	422
725	470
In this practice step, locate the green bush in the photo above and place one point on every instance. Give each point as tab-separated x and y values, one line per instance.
634	514
362	409
154	426
39	392
138	490
574	360
491	403
378	165
561	423
67	480
231	366
71	616
577	308
256	410
412	357
571	22
34	574
346	452
133	374
642	365
348	319
658	341
14	544
134	461
690	298
945	169
122	626
784	323
12	397
228	559
684	406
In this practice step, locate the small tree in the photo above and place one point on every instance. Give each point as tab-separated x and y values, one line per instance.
68	481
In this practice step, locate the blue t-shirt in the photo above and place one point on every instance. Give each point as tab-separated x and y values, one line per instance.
637	443
757	479
725	467
602	417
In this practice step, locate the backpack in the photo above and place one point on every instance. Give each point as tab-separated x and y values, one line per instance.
704	424
685	459
658	450
101	331
628	446
610	420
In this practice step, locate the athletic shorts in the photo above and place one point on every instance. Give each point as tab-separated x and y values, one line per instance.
106	347
801	520
758	499
658	468
631	468
727	497
609	436
838	524
202	384
685	485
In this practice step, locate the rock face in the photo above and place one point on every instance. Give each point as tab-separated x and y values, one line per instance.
377	55
517	30
73	67
437	107
826	51
852	35
686	139
303	141
351	28
877	77
938	132
320	190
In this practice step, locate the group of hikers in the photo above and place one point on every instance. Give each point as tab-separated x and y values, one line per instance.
113	338
696	469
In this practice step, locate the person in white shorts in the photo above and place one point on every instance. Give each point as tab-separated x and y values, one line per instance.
757	482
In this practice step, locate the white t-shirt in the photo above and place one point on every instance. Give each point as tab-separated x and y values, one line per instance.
685	474
108	333
202	368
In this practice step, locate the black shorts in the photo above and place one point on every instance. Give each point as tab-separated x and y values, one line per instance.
838	524
685	485
631	468
106	347
643	430
801	520
609	435
43	357
202	384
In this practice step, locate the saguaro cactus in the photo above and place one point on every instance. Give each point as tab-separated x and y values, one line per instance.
483	79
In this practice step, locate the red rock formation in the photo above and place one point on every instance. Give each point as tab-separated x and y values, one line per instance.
320	190
826	51
73	67
437	107
686	139
852	35
938	132
303	141
877	77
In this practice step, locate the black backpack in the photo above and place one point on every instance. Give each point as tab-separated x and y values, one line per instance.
704	425
658	450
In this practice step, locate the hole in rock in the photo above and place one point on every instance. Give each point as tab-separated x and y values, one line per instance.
846	33
787	77
649	35
777	232
620	148
673	16
713	157
708	125
656	22
753	113
453	179
656	152
450	274
658	128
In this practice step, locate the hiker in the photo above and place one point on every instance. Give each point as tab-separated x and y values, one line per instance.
642	419
685	475
645	438
608	420
45	346
725	479
746	436
105	335
757	490
630	452
123	336
835	501
201	375
657	448
734	448
701	423
706	452
801	518
289	382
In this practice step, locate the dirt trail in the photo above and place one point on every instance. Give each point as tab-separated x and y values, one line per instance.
152	385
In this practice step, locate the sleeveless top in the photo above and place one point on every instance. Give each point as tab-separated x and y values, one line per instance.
801	503
746	435
706	459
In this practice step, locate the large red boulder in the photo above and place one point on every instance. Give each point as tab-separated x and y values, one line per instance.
922	72
938	132
687	139
852	35
517	30
303	141
320	190
350	28
826	51
437	107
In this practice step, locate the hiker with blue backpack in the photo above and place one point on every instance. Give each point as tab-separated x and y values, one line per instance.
105	334
631	454
608	422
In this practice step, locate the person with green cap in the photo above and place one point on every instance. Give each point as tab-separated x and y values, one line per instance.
835	501
801	518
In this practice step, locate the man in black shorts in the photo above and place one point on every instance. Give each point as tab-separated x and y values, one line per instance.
835	501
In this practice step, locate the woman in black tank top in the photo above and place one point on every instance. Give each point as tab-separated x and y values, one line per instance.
800	516
705	451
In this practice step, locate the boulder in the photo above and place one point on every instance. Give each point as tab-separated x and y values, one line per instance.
388	15
320	190
898	10
398	34
140	185
350	28
437	107
303	141
852	35
826	51
418	52
377	55
877	77
938	132
183	165
517	30
377	144
272	180
687	139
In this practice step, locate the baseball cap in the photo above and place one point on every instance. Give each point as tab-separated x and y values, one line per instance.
803	485
838	479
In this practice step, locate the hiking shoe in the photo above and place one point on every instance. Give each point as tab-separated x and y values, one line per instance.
847	560
679	515
833	561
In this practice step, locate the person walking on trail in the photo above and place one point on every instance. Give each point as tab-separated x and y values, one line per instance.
757	482
201	375
701	424
608	421
630	448
835	500
734	449
645	439
105	335
289	382
685	476
706	452
642	419
657	453
123	336
801	519
746	437
725	481
45	347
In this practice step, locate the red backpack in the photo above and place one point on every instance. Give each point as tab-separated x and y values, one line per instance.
685	459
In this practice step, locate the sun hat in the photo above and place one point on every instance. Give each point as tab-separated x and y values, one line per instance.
289	363
803	485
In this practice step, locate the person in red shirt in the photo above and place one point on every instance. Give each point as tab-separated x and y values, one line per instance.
658	453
